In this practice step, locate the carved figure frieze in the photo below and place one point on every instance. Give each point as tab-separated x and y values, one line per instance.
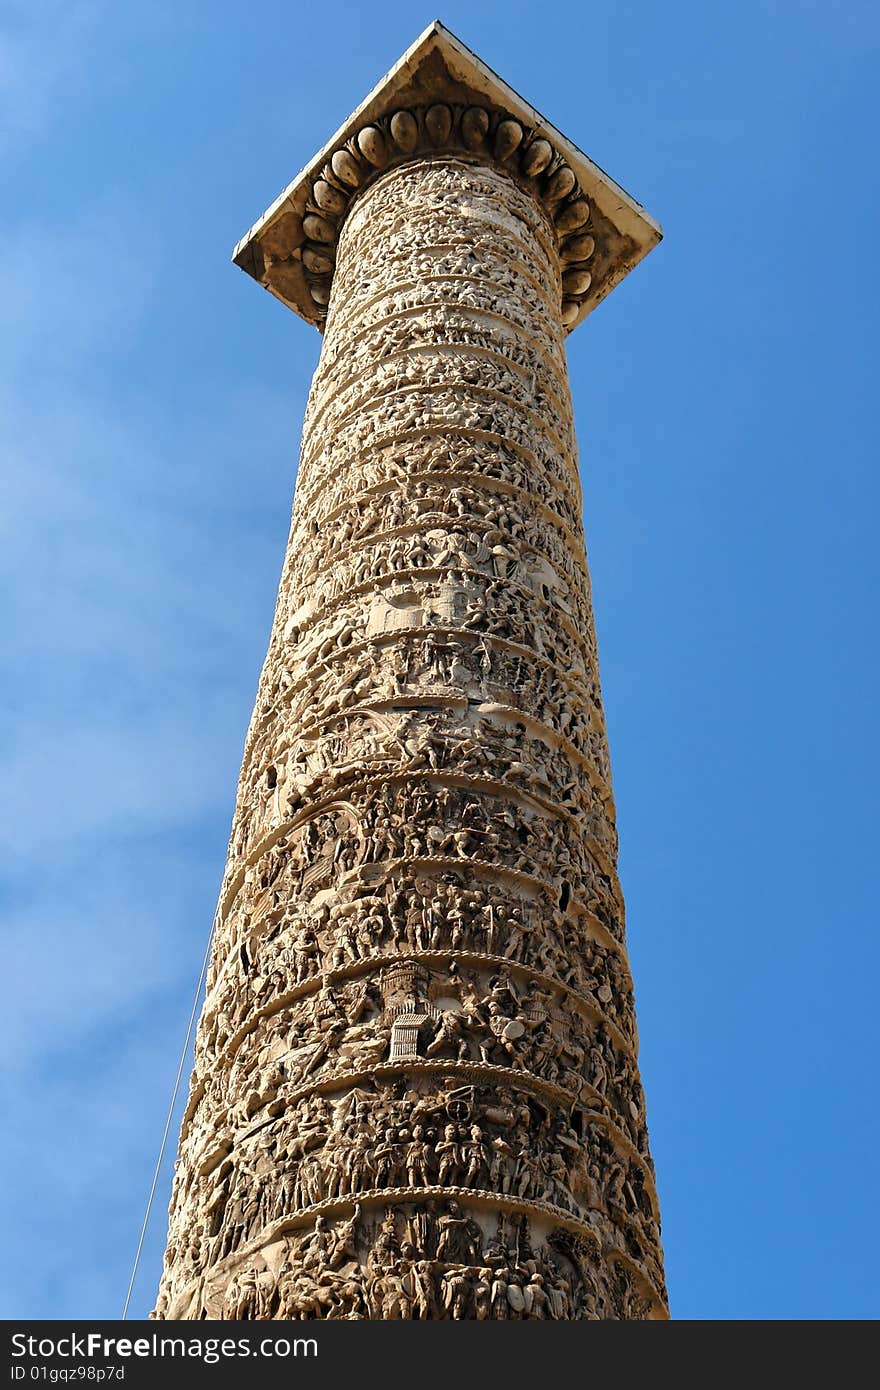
415	1090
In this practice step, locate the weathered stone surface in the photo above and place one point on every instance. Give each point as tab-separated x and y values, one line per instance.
441	97
416	1091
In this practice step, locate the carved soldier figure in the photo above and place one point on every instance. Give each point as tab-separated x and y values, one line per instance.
345	1240
236	1219
448	1154
501	1164
459	1236
473	1153
498	1295
386	1247
418	1156
449	1036
424	1303
314	1252
456	1286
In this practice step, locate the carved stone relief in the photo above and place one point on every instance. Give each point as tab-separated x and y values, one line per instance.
416	1090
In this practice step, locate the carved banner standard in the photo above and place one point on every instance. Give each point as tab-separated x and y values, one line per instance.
416	1092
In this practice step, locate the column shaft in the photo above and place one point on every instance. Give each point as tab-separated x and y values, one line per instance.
416	1091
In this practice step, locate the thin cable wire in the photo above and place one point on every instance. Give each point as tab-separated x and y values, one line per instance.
180	1066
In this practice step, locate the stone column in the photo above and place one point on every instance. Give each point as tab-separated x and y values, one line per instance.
416	1092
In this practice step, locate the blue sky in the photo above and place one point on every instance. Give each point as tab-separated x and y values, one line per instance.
150	404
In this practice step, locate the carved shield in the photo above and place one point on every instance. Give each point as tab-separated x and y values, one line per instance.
516	1298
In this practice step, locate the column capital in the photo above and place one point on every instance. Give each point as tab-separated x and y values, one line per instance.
439	98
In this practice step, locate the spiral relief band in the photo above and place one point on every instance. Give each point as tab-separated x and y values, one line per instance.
416	1089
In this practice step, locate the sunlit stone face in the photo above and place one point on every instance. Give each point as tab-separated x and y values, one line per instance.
416	1091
